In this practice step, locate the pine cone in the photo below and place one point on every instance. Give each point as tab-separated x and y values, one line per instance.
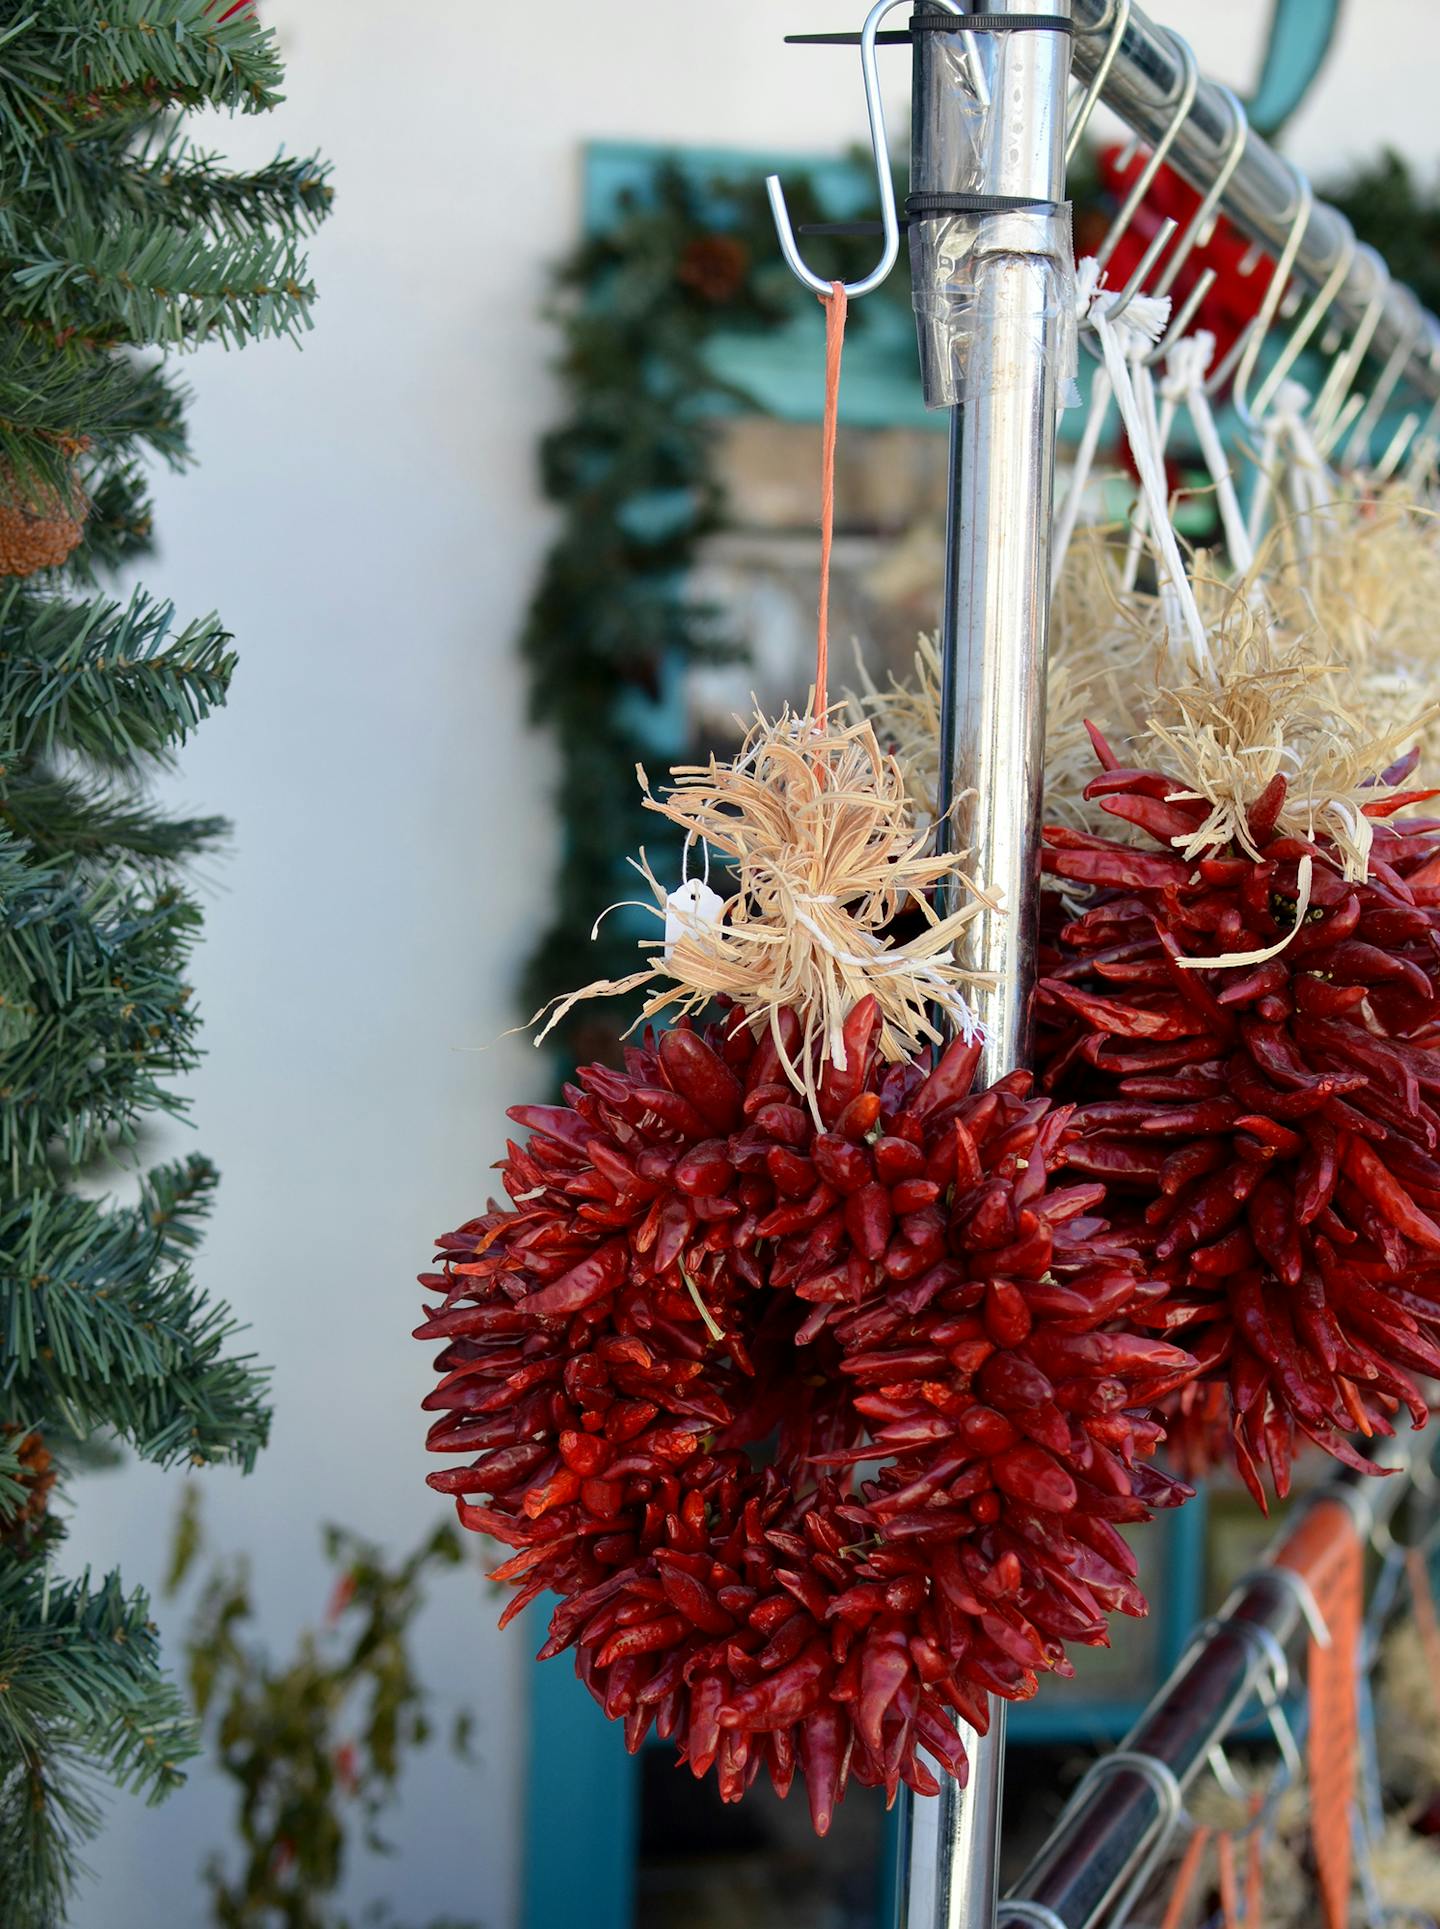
696	1268
37	1477
39	525
715	266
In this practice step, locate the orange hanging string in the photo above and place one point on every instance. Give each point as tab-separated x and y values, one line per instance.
1185	1879
836	303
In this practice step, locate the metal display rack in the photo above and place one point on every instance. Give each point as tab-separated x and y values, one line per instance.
997	177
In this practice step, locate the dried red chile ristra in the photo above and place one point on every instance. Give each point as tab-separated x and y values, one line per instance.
703	1313
1274	1127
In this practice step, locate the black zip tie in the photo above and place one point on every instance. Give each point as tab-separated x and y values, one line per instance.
925	207
991	23
929	207
890	37
942	23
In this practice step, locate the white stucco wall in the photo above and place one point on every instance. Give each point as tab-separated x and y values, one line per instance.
366	519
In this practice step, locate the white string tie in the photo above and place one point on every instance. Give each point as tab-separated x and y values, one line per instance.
1123	341
1186	366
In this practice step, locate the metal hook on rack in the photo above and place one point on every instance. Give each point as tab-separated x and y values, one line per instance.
1327	417
1184	101
1246	350
1114	22
884	181
1169	227
1181	320
1419	455
1159	241
1358	447
1402	440
1314	315
1199	221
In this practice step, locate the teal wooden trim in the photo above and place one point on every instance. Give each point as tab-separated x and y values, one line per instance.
783	371
1183	1601
1302	33
582	1807
1040	1723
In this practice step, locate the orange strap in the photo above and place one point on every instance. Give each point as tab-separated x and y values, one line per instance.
1185	1878
1426	1619
836	303
1254	1870
1326	1550
1229	1887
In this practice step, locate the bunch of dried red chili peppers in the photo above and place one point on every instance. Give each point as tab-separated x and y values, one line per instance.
707	1310
1270	1134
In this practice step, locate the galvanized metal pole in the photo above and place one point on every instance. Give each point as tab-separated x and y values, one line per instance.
993	635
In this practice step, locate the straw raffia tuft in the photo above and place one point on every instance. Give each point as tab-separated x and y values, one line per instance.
1409	1698
907	717
824	852
1367	587
1274	710
1106	646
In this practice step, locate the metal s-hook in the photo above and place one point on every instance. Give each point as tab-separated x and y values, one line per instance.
1115	23
1246	351
1416	430
1230	160
1190	307
1326	416
1358	447
1160	240
884	181
1315	314
1189	85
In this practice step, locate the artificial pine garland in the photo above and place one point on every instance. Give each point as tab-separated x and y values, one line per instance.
117	236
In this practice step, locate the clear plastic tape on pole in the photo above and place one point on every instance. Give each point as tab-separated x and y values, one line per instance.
956	227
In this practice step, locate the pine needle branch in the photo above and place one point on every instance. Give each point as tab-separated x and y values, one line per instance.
171	180
66	64
172	286
110	681
95	1017
120	526
101	1323
83	1692
56	408
117	233
84	819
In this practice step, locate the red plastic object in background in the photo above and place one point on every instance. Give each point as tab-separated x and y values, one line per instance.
1235	297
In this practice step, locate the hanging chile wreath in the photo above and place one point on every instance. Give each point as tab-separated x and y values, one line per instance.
797	1367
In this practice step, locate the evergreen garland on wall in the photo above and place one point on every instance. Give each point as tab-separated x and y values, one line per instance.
117	236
